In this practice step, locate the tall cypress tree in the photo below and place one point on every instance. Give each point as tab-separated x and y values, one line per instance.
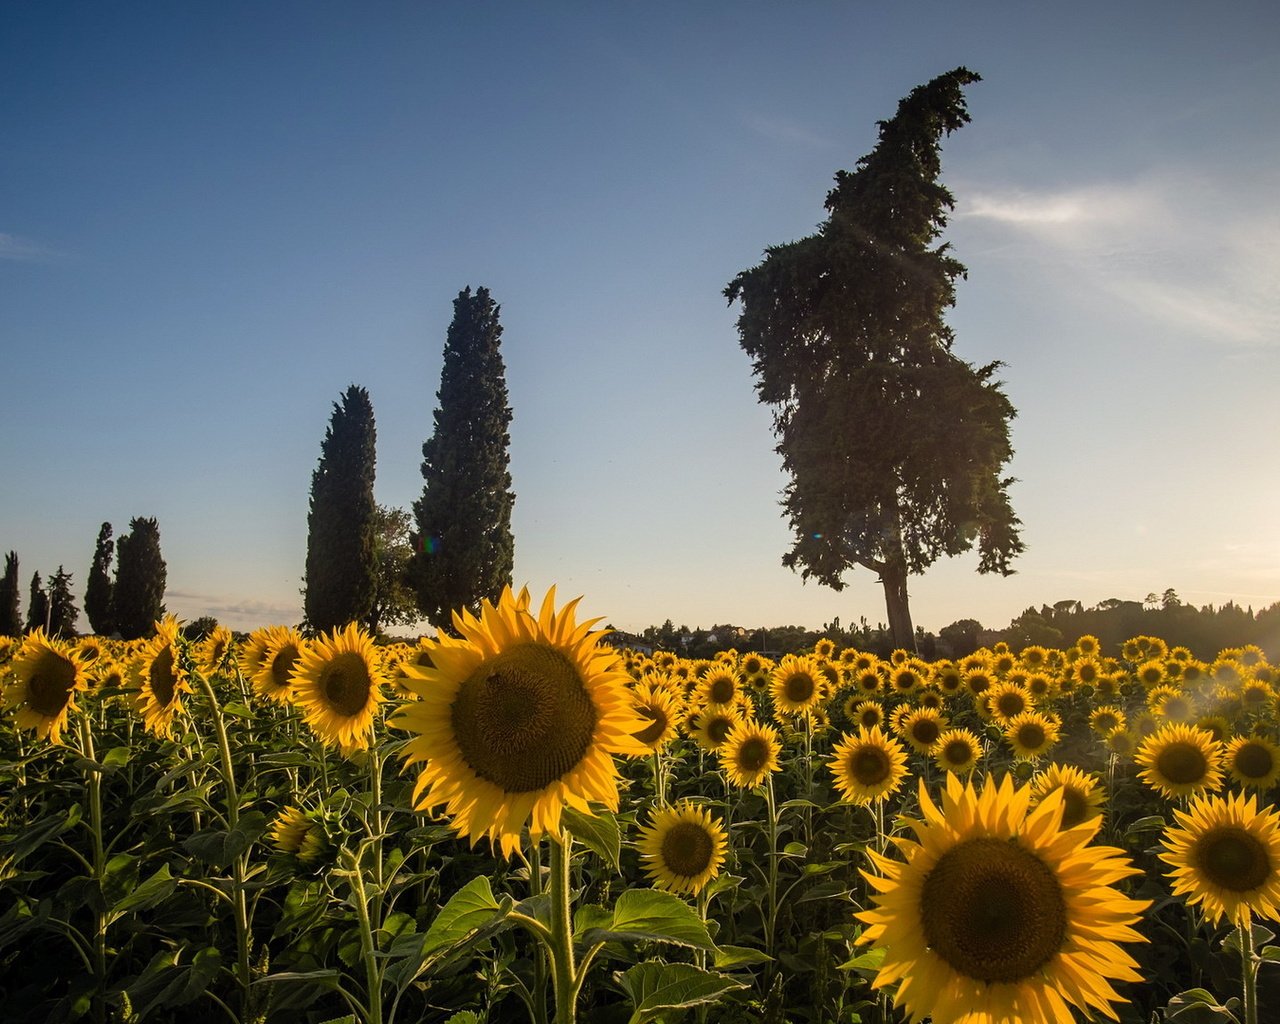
37	605
63	612
464	550
341	523
138	595
10	613
97	591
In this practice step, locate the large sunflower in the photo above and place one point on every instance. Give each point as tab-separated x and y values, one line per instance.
1226	855
1178	760
160	677
518	718
46	677
750	753
998	914
337	684
682	848
1254	761
868	766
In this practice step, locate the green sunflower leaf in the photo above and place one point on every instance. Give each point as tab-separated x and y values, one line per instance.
598	832
651	915
657	987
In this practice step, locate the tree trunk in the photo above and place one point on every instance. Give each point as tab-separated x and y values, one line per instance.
894	577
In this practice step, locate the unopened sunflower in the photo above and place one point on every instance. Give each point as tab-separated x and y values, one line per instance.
998	915
519	717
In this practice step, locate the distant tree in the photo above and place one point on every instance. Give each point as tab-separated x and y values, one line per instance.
138	593
197	629
37	605
464	550
63	612
961	637
10	612
894	446
341	523
97	589
394	602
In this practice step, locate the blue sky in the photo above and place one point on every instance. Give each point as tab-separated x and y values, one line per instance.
214	217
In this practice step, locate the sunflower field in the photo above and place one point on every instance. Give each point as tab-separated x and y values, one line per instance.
519	822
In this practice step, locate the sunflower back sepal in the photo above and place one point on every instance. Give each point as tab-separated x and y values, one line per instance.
655	988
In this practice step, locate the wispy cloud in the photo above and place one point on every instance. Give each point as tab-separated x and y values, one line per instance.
787	131
1180	249
23	250
233	611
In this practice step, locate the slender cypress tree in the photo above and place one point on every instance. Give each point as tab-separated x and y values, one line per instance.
10	613
464	550
63	612
37	605
97	591
138	595
341	523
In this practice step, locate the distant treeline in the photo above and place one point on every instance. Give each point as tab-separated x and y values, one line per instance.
1204	631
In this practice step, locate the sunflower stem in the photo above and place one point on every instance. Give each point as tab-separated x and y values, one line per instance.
99	862
1248	970
539	964
772	913
368	952
564	982
659	779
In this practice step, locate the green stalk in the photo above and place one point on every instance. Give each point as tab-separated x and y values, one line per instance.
539	964
772	917
564	982
239	865
373	980
99	864
1248	970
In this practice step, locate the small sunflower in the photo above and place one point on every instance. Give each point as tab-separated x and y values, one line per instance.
46	676
1121	742
868	766
337	685
998	914
825	648
710	728
797	684
1007	701
1082	794
682	848
160	678
280	659
1178	760
906	678
289	829
1105	718
957	750
215	653
1226	856
947	678
750	754
720	686
661	710
1254	761
921	729
1031	735
519	717
867	713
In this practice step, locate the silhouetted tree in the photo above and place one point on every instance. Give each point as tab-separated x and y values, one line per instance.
894	445
138	593
97	589
63	612
37	605
10	612
394	602
464	550
341	523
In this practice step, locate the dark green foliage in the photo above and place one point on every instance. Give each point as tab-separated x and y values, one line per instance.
97	590
394	602
197	629
464	549
341	523
894	445
37	605
10	613
138	594
63	612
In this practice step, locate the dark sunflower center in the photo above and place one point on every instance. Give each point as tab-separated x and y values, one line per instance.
993	911
346	684
1182	763
1031	735
869	766
1233	858
687	849
800	688
906	680
1253	761
161	675
1011	704
524	718
657	724
1075	806
1106	722
753	754
282	666
957	752
721	690
925	731
718	728
870	717
49	688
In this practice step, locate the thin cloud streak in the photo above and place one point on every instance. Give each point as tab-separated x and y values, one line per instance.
22	250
